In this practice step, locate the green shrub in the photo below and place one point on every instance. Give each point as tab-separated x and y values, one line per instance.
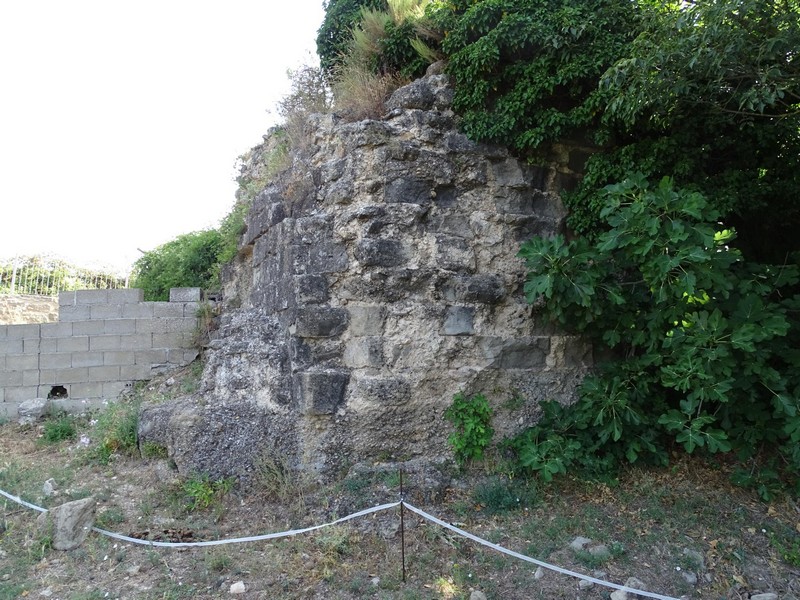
707	343
190	260
116	431
473	430
59	428
201	492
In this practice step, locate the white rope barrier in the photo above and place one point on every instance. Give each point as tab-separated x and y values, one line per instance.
361	513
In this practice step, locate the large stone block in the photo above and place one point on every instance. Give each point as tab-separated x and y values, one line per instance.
91	297
366	319
320	393
72	312
88	327
22	362
184	295
459	320
106	311
76	343
380	253
364	352
312	289
100	343
85	359
323	321
125	296
119	326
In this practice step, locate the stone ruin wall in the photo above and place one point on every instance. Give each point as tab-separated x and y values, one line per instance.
377	278
25	309
103	342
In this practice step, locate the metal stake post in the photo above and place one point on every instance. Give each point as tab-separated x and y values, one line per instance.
402	528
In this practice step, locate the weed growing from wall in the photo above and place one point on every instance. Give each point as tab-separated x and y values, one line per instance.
473	430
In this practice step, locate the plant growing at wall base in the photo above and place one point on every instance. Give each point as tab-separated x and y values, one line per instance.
472	418
706	342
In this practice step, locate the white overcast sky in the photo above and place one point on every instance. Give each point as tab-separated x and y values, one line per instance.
121	120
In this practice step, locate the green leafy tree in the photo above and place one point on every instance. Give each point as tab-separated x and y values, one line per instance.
335	33
190	260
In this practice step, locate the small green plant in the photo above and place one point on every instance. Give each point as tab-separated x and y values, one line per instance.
153	450
499	495
201	491
116	431
788	547
60	428
472	420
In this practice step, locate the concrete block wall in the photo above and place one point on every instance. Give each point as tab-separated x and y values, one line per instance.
103	342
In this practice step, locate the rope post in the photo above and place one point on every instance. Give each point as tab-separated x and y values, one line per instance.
402	529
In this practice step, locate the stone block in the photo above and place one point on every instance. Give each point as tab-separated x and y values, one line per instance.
73	344
86	390
167	309
454	253
30	411
172	340
47	377
327	257
30	378
22	362
380	253
85	359
367	319
105	373
118	358
320	393
524	353
72	375
321	321
135	372
139	341
66	299
381	389
3	332
31	346
112	389
181	325
143	310
91	297
88	327
106	311
101	343
56	330
459	320
485	289
56	361
12	346
48	346
72	312
408	189
9	379
190	309
364	352
184	295
22	332
150	357
21	394
125	296
312	289
120	326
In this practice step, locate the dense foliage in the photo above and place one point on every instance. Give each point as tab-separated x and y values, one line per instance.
335	33
691	284
190	260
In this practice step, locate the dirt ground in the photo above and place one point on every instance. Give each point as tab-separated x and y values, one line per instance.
684	532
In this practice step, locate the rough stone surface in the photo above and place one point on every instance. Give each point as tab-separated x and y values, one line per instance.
70	523
24	308
31	411
376	279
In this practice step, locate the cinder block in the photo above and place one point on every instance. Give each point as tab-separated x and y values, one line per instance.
185	324
10	379
2	399
106	311
171	340
65	299
118	358
11	346
135	372
88	327
176	356
138	341
72	312
20	394
86	390
104	342
87	359
190	309
76	375
184	295
150	357
104	373
30	378
56	361
31	346
76	343
125	296
146	325
121	326
22	332
48	346
48	377
91	297
143	310
167	309
22	362
56	330
112	389
3	332
77	406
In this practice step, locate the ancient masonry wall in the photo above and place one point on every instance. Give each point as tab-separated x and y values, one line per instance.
103	342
